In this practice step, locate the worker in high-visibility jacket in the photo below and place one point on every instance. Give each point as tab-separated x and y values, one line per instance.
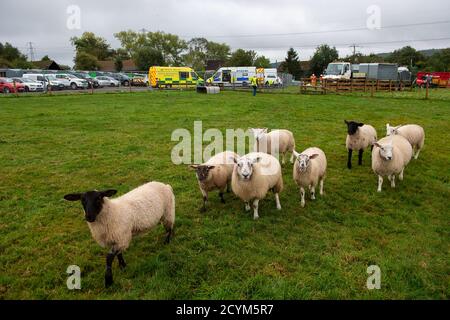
254	83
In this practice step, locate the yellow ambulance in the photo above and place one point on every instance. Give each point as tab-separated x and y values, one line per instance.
173	77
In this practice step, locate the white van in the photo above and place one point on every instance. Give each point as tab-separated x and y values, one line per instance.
229	76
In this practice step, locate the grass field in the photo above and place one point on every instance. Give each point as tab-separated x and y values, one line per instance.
51	146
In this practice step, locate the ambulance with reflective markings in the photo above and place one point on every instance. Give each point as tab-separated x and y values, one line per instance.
230	76
173	77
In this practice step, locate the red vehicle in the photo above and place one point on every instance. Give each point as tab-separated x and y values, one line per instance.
7	86
439	79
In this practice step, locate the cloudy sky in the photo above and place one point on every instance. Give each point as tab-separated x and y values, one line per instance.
269	27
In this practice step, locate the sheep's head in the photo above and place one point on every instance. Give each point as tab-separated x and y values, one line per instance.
390	131
92	202
304	160
352	126
202	171
385	150
258	133
245	166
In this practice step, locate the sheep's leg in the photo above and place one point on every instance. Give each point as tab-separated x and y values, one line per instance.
417	154
380	183
302	196
205	201
108	274
221	192
393	181
228	186
169	234
349	160
400	176
283	155
247	206
122	263
312	190
277	200
255	209
292	157
360	155
321	187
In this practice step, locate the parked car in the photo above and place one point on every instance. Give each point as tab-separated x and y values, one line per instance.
54	83
123	78
31	85
7	86
74	82
105	81
92	83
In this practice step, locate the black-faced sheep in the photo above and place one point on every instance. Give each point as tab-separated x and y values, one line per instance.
359	137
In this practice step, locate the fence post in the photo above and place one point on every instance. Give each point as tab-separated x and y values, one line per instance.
426	92
372	89
390	85
351	85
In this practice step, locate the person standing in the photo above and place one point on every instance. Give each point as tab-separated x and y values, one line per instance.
254	84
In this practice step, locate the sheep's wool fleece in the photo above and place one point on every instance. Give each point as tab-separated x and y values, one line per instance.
134	212
315	171
363	137
401	155
266	175
413	133
219	176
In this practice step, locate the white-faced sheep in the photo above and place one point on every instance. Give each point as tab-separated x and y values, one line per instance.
310	169
390	156
113	222
253	176
359	137
412	132
215	174
277	141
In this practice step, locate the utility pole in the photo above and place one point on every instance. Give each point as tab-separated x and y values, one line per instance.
30	51
143	30
354	46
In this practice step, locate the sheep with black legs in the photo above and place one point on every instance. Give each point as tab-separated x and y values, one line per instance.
113	222
253	176
215	174
281	141
390	156
359	137
310	170
412	132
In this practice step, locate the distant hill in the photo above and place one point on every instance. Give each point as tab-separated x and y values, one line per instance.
426	53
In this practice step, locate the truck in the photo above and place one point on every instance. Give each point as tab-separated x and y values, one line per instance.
338	70
168	77
370	71
438	79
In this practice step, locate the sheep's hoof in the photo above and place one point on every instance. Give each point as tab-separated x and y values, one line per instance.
302	204
122	266
108	281
203	209
222	200
278	207
255	217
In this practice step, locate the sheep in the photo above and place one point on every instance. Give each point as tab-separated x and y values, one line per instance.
412	132
113	222
283	138
390	156
310	170
253	176
359	137
215	174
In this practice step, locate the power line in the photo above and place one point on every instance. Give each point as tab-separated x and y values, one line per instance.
349	44
317	32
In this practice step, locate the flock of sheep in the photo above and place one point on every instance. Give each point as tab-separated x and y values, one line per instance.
113	222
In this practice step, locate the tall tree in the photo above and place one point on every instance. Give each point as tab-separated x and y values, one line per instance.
11	57
262	62
200	50
91	44
292	64
169	45
85	61
323	55
440	61
242	58
406	56
145	57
